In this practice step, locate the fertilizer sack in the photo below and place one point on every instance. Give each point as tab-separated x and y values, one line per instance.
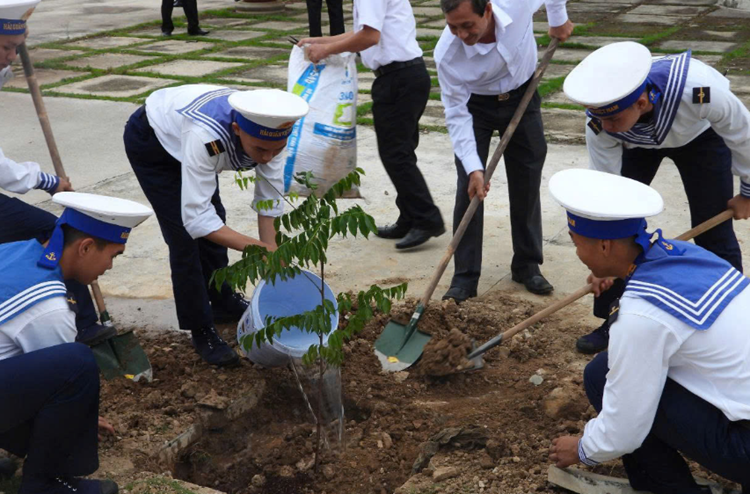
325	141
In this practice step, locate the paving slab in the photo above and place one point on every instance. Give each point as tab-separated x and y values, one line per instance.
439	24
276	74
555	70
175	47
427	11
652	19
565	126
625	2
363	98
189	68
721	34
279	26
118	86
596	7
234	34
225	22
430	63
104	42
712	60
566	54
250	52
598	41
740	84
44	54
707	3
695	45
423	32
43	77
730	13
105	61
667	10
541	27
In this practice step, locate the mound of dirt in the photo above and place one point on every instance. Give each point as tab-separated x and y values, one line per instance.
446	356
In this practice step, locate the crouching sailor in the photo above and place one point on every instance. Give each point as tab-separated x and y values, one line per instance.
49	385
676	378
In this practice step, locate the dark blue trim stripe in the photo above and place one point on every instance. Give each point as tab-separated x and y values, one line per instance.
32	295
12	27
582	455
48	182
744	189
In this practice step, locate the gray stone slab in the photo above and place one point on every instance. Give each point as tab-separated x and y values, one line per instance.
652	19
624	2
427	11
541	27
276	74
596	7
425	32
598	41
721	34
555	70
730	13
191	68
366	75
667	10
740	84
279	26
225	22
44	54
106	61
107	42
710	46
122	86
567	55
364	85
250	52
43	77
234	34
712	60
175	47
707	3
438	24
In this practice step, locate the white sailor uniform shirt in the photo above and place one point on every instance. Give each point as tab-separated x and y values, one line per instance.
22	177
721	110
186	134
487	68
394	19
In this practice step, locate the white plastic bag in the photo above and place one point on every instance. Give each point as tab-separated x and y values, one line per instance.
325	141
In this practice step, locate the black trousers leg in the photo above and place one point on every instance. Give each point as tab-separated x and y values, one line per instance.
166	16
705	166
55	405
160	177
191	12
336	16
21	221
314	8
214	256
399	99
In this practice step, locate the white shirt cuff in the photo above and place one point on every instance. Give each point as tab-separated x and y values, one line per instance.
744	189
582	455
557	15
203	225
275	211
472	163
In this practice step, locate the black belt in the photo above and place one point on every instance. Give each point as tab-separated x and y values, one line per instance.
518	92
392	67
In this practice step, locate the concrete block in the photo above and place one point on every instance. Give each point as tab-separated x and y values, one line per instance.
721	34
107	42
106	61
276	74
425	32
541	27
44	54
740	84
597	41
234	35
652	19
225	22
564	126
707	3
566	54
191	68
43	77
279	26
668	10
250	52
427	11
439	24
596	7
624	2
712	60
730	13
555	70
175	47
121	86
710	46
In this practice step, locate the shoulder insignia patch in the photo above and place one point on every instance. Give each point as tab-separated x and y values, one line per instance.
215	147
614	311
72	303
595	125
701	95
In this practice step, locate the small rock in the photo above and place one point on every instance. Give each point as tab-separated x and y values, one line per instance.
328	472
565	403
387	441
504	352
286	471
400	376
189	389
380	444
417	424
486	461
444	473
258	480
516	459
536	379
304	466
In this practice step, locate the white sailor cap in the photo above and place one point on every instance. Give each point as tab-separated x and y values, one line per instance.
107	218
14	14
602	205
268	114
610	79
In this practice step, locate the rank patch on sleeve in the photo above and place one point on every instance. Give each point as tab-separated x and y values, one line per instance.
72	303
701	95
614	311
595	125
215	147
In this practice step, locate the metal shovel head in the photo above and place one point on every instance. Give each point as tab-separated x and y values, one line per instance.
395	351
123	355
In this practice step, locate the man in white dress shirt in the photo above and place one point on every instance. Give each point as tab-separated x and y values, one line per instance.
642	110
486	58
676	378
177	144
385	34
49	385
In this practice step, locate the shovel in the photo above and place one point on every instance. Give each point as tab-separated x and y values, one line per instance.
688	235
399	346
121	355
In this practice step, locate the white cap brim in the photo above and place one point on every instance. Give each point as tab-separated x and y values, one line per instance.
270	108
112	210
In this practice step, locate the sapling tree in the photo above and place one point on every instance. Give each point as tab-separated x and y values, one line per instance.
303	236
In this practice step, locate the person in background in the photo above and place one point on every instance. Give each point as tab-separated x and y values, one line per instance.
335	16
191	12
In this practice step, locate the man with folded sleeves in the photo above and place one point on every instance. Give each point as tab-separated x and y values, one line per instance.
177	144
485	59
676	379
641	110
49	385
385	34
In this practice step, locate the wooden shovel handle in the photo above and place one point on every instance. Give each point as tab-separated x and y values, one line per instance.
469	214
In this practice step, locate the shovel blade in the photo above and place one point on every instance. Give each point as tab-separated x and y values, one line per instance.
123	356
107	360
393	353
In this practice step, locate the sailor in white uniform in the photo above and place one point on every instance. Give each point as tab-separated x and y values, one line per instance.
177	144
49	385
641	110
676	378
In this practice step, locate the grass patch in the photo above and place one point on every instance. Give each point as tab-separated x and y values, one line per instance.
551	86
650	39
563	106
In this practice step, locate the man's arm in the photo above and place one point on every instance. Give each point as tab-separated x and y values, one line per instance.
357	42
22	177
50	323
605	152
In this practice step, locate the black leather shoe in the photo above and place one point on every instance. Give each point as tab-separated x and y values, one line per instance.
393	231
213	349
166	33
459	294
95	334
535	283
594	342
417	236
198	32
231	310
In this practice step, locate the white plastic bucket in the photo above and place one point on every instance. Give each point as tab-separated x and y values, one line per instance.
284	298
